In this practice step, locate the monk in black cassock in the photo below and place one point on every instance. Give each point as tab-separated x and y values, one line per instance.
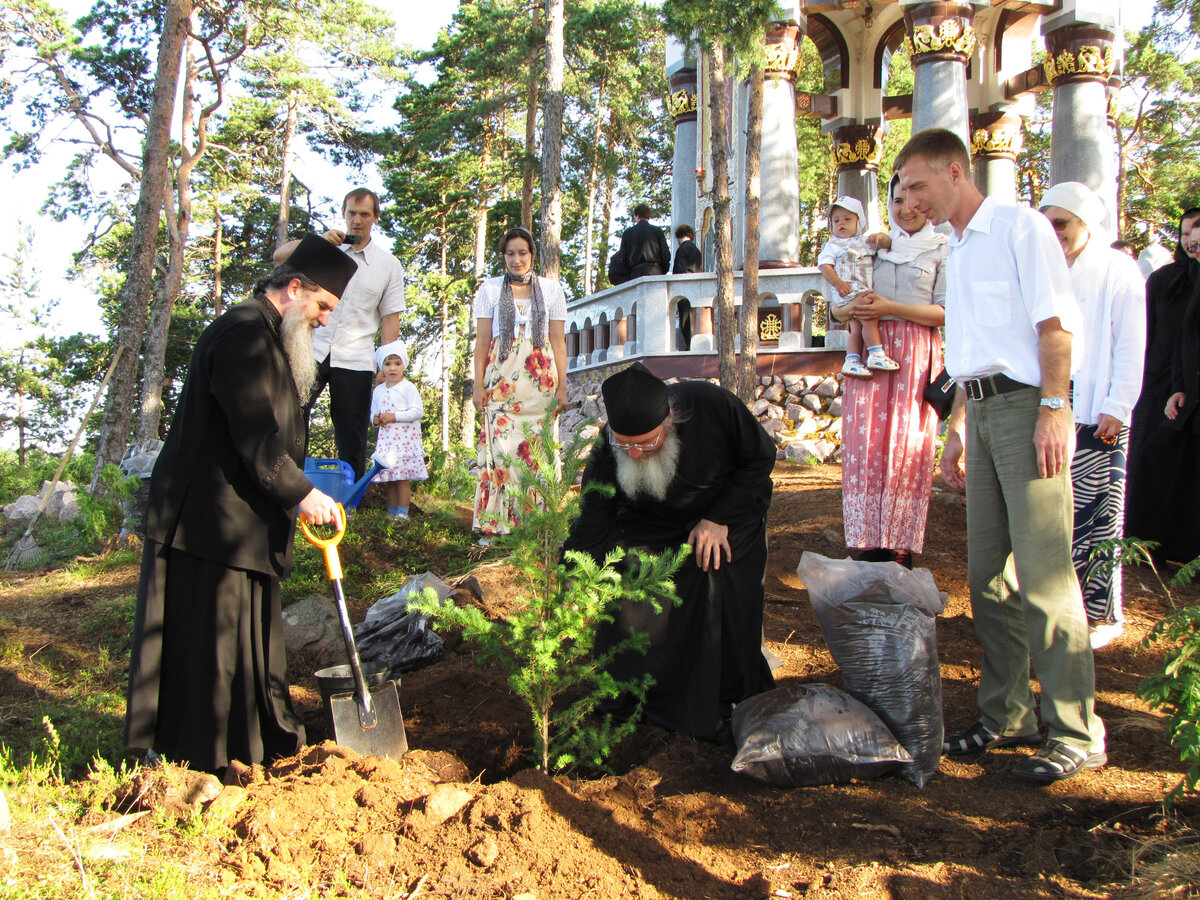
690	464
207	681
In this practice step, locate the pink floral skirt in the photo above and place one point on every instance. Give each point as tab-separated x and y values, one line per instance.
888	434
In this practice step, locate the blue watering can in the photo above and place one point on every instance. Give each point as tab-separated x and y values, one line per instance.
335	477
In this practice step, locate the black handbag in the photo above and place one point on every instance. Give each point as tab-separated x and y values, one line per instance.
939	394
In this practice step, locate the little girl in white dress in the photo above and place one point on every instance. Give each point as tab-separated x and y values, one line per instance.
397	409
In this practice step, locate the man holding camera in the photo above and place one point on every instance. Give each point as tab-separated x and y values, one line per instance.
344	348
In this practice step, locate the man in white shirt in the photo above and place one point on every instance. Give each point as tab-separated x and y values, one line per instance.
1010	319
344	349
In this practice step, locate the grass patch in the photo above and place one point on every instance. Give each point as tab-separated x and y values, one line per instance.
379	554
64	655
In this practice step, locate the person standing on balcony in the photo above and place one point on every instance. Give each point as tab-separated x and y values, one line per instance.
688	258
644	246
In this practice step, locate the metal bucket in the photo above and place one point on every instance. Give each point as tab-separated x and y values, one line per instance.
340	680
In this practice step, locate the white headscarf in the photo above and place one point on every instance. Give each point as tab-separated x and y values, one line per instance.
395	348
1080	200
1154	257
907	247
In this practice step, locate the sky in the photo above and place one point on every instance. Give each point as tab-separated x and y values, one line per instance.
53	242
418	24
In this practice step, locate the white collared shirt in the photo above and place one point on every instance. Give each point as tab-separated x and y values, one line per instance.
1005	275
375	291
1112	296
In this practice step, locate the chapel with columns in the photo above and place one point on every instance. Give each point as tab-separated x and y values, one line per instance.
973	73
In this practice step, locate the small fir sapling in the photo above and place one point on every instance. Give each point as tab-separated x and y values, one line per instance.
1175	688
548	647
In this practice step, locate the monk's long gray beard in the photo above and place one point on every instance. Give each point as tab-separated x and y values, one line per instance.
297	335
652	474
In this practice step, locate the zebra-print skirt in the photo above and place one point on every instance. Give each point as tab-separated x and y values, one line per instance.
1098	483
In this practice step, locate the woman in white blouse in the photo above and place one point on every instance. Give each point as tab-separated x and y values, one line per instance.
1111	295
520	370
888	430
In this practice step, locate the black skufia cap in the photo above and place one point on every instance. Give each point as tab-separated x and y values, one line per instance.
636	400
316	258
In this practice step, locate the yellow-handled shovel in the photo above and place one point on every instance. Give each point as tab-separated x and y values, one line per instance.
369	720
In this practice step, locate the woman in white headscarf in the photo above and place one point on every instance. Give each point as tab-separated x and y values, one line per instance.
520	369
888	430
1110	291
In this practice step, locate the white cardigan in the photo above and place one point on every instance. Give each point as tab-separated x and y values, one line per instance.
488	297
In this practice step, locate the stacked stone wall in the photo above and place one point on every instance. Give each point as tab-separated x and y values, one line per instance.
801	413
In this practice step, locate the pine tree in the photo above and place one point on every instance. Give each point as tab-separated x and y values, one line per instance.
548	647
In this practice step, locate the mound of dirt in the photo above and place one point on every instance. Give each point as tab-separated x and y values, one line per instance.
330	812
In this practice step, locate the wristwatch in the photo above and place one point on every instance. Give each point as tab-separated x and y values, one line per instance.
1053	402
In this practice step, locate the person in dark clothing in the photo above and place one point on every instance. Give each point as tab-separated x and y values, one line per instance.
1164	480
1168	293
644	246
690	464
688	258
207	674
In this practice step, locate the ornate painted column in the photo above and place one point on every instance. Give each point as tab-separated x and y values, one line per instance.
856	150
681	103
995	143
941	40
779	224
1079	61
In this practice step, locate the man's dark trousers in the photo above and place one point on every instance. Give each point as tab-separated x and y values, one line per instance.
349	409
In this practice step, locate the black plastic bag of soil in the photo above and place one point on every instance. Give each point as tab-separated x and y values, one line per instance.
880	622
803	735
395	638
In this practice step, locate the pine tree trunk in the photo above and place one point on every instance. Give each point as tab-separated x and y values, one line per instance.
529	167
285	178
748	368
589	262
445	370
723	306
552	125
482	206
606	209
178	216
218	238
1119	213
445	333
21	414
139	277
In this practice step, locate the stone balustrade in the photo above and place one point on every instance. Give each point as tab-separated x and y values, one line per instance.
669	319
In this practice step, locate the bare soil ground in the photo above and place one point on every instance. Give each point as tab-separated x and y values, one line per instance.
675	822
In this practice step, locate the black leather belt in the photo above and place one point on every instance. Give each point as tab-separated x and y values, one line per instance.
982	388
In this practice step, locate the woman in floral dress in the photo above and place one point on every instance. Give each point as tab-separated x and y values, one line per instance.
520	369
888	430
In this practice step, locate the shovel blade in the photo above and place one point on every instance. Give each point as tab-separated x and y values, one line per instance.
386	738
